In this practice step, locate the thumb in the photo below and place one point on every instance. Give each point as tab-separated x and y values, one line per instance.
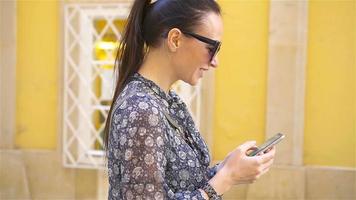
247	145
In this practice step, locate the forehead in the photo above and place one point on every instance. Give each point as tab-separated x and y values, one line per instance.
211	26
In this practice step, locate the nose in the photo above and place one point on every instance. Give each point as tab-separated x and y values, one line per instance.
214	62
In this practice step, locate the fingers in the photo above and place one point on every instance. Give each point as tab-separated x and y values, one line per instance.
261	171
266	166
269	149
258	165
250	150
268	156
248	181
247	145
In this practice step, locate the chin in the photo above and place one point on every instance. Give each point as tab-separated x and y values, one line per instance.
194	81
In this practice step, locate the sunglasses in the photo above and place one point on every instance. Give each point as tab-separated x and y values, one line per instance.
214	44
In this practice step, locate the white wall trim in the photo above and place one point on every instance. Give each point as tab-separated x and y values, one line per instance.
286	77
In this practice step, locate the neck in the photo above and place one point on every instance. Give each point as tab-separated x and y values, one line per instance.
158	69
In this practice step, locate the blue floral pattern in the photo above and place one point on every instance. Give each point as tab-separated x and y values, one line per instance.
147	157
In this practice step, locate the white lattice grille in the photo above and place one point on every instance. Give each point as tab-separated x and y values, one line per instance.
91	33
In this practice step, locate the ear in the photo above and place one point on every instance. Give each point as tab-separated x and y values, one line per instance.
174	39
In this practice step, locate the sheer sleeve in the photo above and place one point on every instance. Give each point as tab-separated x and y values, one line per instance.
138	141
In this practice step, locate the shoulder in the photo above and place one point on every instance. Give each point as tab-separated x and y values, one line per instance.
137	103
138	116
135	95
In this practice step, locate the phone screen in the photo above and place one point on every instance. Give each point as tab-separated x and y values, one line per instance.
269	143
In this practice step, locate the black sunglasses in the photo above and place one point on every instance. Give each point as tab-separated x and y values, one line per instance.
215	45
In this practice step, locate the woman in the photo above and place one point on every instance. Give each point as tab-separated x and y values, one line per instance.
154	148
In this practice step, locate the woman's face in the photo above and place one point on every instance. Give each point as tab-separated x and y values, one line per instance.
195	57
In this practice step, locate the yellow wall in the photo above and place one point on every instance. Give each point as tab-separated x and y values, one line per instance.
330	98
37	74
241	76
240	79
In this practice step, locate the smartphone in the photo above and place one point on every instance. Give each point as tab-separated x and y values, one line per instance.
269	143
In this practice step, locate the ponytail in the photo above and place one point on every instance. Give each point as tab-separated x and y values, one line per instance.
130	54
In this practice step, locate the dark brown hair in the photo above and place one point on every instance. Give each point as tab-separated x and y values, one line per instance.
146	25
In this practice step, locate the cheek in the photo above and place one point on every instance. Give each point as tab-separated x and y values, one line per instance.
189	60
194	52
195	58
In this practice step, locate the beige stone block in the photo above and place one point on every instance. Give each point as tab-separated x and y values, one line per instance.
279	183
48	179
13	181
103	184
86	184
237	192
330	183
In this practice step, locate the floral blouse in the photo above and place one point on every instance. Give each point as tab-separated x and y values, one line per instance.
149	157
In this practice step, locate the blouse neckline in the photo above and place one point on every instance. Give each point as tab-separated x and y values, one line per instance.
170	97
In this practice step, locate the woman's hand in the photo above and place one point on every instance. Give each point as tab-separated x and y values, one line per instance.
238	168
